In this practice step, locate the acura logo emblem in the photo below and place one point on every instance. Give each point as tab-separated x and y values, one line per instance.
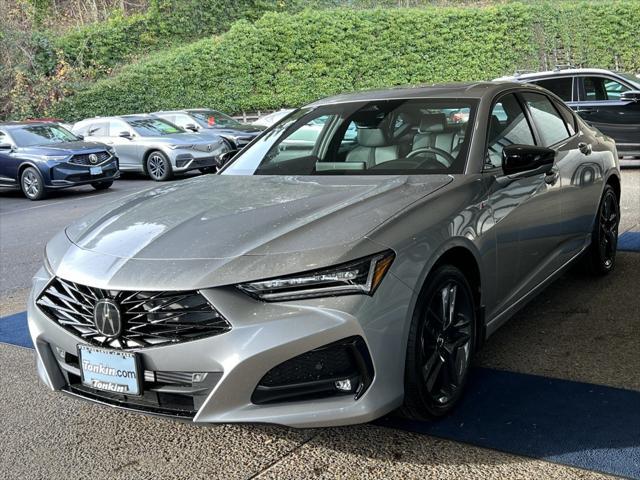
93	158
106	316
208	148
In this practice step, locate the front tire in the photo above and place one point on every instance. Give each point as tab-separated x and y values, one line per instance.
601	255
159	166
102	185
32	184
440	347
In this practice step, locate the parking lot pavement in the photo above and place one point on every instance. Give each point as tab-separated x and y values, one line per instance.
630	201
26	226
580	328
55	437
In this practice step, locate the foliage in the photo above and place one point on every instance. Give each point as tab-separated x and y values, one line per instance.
287	59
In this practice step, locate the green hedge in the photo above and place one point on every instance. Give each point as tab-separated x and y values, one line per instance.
287	60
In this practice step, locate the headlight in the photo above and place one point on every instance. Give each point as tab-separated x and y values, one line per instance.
360	276
173	147
56	158
111	151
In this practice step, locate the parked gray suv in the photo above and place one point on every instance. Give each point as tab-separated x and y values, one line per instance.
154	146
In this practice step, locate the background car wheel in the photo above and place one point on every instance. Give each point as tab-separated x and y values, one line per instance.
600	258
159	167
441	344
102	185
32	184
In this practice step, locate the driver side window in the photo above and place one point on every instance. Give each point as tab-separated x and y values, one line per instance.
508	125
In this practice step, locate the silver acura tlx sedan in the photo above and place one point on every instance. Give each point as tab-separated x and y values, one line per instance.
331	281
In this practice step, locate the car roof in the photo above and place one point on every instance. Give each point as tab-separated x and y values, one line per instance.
474	90
12	125
558	73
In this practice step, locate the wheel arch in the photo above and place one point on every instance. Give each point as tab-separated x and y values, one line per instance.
614	181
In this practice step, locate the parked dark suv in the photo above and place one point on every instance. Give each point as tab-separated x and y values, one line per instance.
237	134
610	101
37	157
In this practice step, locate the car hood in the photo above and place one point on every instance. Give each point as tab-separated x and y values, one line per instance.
222	217
65	148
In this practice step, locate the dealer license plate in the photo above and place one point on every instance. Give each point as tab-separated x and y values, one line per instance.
110	370
95	170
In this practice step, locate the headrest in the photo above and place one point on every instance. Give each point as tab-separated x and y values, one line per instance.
371	137
432	123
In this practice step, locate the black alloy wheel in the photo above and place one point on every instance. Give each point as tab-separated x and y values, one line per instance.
601	256
441	345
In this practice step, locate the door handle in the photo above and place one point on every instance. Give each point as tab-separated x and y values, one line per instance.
551	177
585	148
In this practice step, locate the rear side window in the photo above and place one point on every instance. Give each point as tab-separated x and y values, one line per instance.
562	86
507	126
548	122
568	116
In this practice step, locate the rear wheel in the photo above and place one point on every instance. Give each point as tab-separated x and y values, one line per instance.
102	185
158	166
441	344
32	184
601	255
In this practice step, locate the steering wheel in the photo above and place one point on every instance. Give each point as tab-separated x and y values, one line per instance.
437	151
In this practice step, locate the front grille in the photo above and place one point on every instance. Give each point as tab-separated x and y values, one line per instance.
83	159
204	148
148	318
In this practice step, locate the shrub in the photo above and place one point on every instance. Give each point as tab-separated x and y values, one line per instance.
289	59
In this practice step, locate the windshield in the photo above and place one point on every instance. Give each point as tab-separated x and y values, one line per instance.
213	118
41	135
154	127
390	137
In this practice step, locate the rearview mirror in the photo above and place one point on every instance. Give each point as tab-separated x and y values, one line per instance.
630	96
191	126
125	135
527	158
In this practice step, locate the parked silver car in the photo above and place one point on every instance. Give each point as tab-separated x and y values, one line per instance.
154	146
335	281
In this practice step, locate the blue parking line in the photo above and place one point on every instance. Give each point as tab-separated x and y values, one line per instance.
578	424
13	330
572	423
629	242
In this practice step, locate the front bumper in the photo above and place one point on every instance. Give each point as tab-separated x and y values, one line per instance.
186	160
263	336
65	175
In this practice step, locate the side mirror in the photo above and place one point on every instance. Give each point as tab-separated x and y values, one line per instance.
125	135
527	158
191	126
81	137
6	147
630	96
